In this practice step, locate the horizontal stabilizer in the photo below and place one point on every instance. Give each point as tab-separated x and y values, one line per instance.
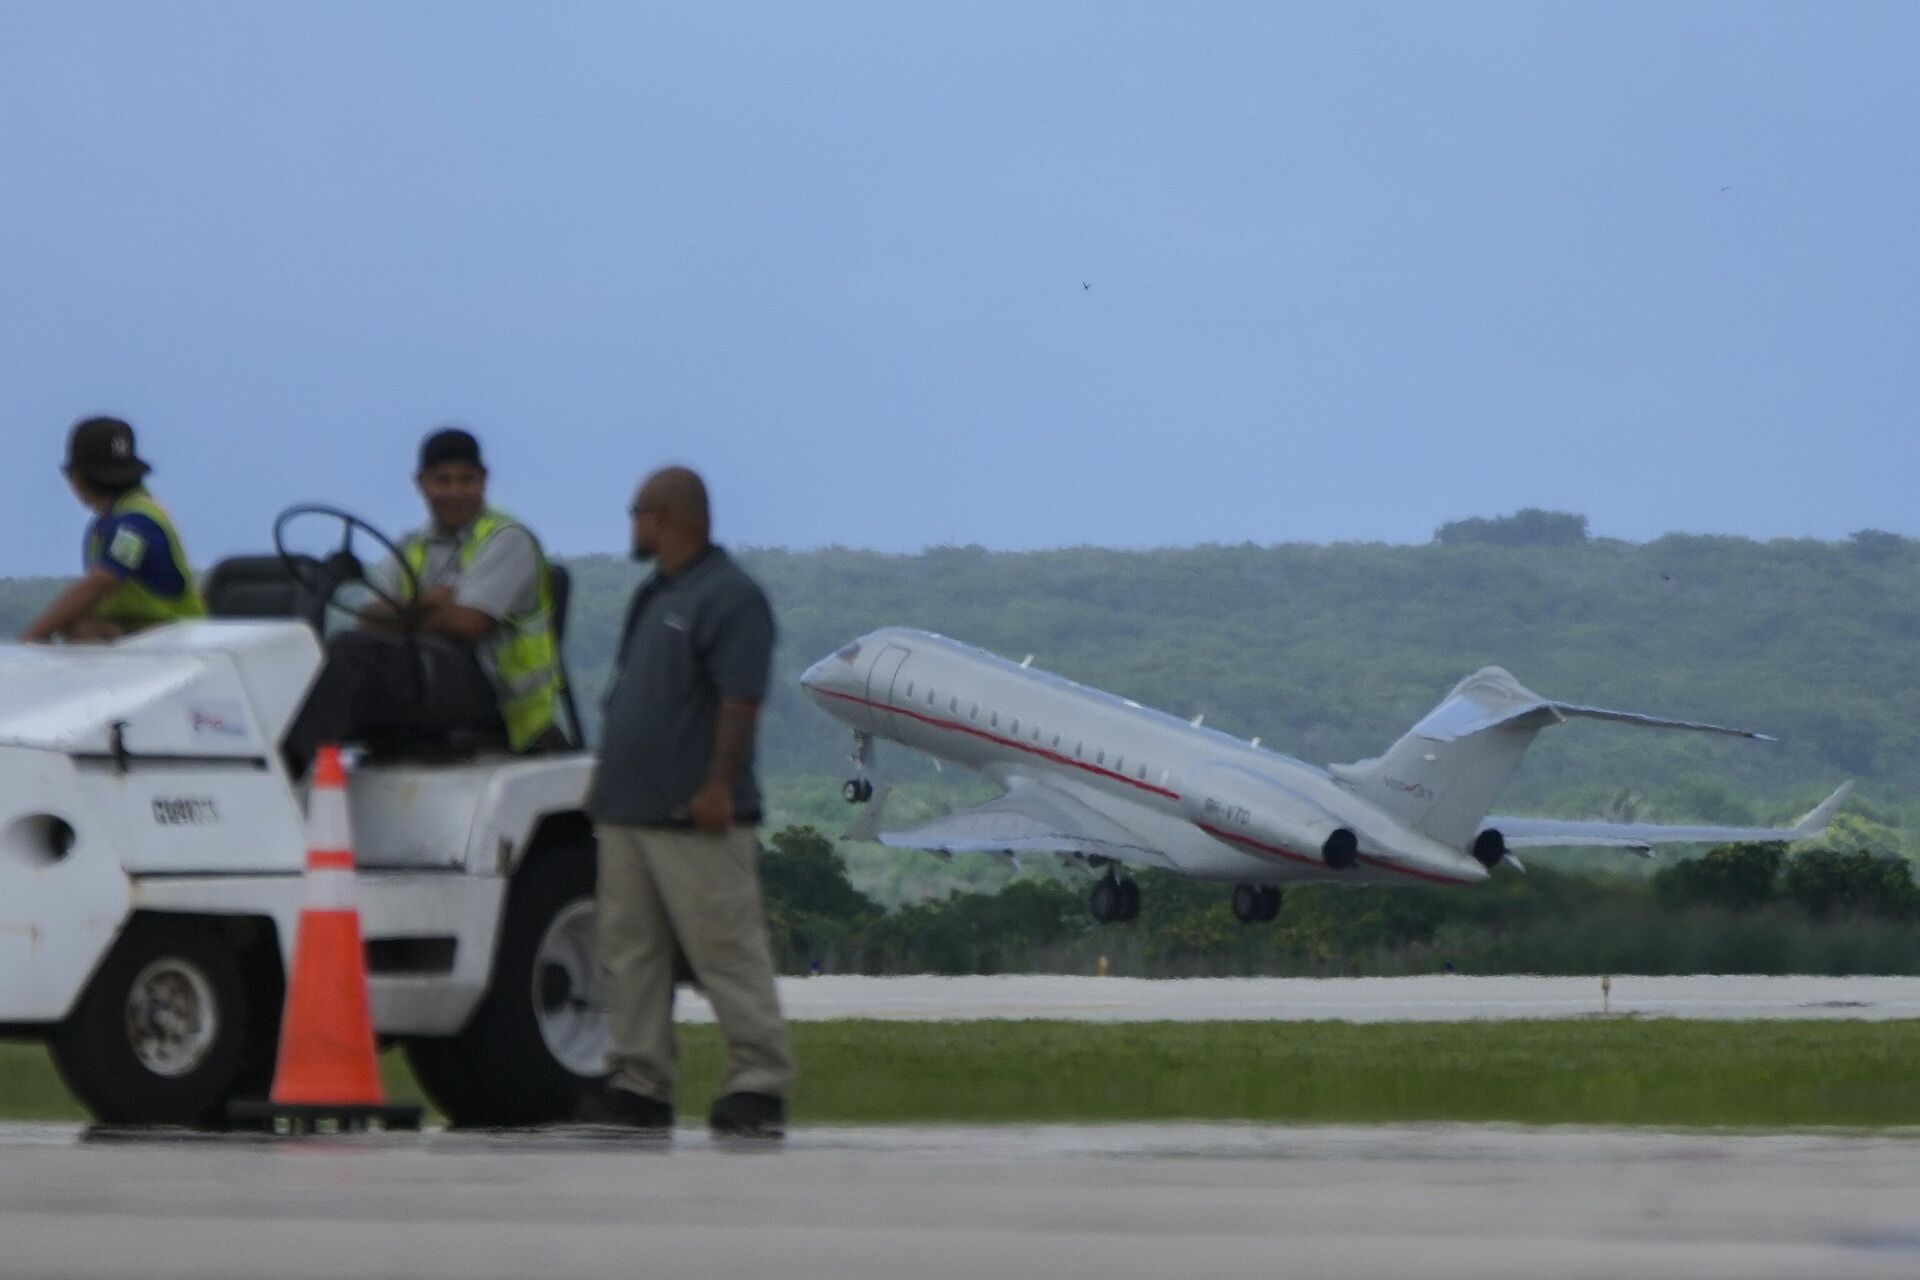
1536	833
1568	709
1492	699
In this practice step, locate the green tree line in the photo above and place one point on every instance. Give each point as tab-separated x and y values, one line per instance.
1330	652
1737	909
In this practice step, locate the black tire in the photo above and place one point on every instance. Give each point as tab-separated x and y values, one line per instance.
1269	903
1106	901
499	1071
1246	903
189	978
1129	899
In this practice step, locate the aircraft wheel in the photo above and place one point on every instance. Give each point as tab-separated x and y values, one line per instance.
1107	901
857	791
1269	902
1246	903
537	1041
167	1031
1129	899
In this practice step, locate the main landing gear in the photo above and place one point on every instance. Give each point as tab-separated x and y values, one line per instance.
1255	903
858	789
1115	899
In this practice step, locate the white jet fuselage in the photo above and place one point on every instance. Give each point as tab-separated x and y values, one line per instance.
1187	798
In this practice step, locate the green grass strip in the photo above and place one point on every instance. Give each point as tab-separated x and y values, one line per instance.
1654	1072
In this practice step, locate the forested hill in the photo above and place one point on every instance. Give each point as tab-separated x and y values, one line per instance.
1330	652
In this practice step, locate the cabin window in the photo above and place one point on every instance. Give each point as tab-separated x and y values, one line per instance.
1143	771
1056	742
909	688
1036	734
993	720
1076	749
1101	756
953	705
930	695
973	713
1014	728
1119	764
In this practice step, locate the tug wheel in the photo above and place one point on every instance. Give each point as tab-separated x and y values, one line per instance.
537	1041
168	1031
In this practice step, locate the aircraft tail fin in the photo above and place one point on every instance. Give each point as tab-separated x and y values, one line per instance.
1444	775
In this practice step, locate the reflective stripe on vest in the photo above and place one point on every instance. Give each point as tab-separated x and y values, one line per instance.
132	603
520	653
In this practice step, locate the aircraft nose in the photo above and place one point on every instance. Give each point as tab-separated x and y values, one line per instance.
838	672
814	678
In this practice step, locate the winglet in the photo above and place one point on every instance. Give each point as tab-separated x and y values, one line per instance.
1815	823
867	826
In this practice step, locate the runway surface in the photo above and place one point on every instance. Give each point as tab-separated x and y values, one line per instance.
1107	1202
1436	998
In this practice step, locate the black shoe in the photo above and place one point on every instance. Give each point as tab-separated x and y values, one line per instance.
748	1115
624	1109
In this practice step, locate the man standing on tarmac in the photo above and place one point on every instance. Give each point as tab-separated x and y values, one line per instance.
674	804
473	648
136	573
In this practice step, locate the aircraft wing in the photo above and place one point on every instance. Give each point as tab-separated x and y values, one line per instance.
1534	833
1028	818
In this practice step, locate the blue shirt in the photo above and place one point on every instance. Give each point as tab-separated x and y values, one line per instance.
133	547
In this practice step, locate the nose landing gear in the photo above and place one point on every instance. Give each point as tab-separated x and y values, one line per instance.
1256	903
858	790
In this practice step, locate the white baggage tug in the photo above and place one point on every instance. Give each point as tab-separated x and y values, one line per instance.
151	849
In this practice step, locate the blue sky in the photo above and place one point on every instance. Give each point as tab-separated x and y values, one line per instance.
1354	269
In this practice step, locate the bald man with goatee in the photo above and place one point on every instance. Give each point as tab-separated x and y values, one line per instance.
674	804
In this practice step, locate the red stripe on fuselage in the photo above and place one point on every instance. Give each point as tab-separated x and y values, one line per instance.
1291	856
1259	847
1015	743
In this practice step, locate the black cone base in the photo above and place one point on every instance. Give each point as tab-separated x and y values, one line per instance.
322	1117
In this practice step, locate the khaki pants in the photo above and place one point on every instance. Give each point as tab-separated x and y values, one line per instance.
662	886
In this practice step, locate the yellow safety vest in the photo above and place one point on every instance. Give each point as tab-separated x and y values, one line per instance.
132	604
523	658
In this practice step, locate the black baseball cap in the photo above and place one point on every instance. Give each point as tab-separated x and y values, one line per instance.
450	444
101	450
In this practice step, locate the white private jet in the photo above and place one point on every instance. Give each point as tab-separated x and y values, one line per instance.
1105	781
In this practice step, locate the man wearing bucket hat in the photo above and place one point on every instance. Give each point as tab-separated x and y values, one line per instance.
136	574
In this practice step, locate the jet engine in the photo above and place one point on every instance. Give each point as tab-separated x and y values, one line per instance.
1241	804
1489	847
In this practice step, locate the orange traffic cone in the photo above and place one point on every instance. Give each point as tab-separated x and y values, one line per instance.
327	1071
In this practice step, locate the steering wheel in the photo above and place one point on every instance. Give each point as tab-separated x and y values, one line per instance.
323	578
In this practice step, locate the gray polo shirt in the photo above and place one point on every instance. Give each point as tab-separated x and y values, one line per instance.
691	640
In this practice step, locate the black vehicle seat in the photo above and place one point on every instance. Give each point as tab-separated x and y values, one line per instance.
258	587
